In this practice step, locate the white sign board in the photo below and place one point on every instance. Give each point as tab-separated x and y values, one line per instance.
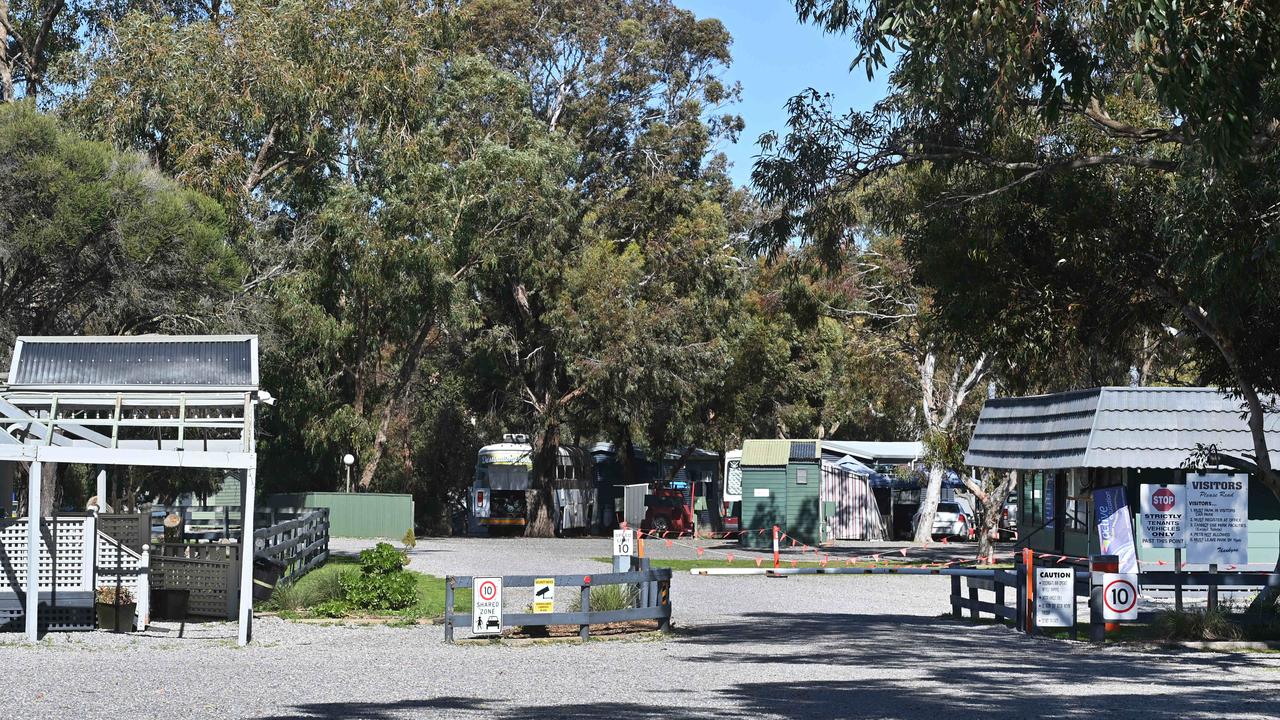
544	595
1120	596
1055	597
1164	516
1218	519
624	542
486	606
760	492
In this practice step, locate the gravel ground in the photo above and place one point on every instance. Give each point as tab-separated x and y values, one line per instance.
745	647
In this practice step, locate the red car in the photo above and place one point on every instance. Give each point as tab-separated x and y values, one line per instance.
667	510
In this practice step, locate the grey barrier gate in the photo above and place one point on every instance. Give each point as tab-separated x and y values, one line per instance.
653	600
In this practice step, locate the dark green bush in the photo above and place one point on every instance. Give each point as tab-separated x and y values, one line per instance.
330	609
382	583
382	559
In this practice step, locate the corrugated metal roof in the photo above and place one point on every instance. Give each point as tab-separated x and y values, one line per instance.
135	362
1111	427
871	450
765	453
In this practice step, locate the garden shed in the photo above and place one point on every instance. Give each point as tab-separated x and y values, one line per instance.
143	401
781	485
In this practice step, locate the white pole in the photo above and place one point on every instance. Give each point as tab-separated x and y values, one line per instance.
102	489
248	489
33	552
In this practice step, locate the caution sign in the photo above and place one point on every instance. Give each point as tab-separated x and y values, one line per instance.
486	606
1120	596
544	595
1055	597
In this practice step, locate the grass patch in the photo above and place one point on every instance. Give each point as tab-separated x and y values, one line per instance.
318	594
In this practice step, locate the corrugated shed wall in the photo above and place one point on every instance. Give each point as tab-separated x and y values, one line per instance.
356	515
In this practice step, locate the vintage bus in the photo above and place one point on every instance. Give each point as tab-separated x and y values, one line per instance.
498	495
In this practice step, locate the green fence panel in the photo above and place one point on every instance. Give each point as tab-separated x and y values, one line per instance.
356	515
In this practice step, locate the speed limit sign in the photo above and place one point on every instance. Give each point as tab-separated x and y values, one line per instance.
1120	596
624	542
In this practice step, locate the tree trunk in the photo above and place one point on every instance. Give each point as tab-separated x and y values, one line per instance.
929	504
991	493
6	63
538	499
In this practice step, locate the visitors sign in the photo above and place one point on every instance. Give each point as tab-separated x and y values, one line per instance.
1055	597
544	595
486	606
624	542
1164	516
1115	527
1218	518
1120	596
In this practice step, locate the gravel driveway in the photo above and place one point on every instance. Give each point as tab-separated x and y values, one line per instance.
745	647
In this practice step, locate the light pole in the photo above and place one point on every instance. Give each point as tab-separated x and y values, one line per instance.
348	460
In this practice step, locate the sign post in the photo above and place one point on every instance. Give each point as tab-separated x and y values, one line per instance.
486	606
1099	566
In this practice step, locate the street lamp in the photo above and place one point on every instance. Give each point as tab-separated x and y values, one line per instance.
348	460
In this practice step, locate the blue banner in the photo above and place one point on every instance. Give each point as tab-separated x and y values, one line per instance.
1115	526
1050	504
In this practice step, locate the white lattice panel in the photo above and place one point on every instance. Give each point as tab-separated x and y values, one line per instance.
112	555
64	554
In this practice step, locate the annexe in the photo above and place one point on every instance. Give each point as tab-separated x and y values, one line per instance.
1064	445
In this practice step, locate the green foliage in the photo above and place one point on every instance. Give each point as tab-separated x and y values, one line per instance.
382	583
1200	624
613	597
97	241
382	559
409	540
331	609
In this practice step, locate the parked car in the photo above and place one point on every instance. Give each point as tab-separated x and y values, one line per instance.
954	519
1009	518
666	510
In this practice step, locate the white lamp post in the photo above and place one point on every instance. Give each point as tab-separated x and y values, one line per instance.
348	460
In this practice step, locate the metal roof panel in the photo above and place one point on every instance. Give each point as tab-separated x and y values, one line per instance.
147	362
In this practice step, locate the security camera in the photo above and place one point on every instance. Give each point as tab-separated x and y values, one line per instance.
266	397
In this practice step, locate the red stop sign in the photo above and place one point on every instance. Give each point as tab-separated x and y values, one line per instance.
1162	500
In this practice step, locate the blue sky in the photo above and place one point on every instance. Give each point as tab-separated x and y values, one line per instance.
775	57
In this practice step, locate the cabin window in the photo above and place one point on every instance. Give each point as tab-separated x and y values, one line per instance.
802	476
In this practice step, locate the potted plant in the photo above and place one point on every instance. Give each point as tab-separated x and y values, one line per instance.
116	608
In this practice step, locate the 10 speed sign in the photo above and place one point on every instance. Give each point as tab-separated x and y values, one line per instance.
1120	596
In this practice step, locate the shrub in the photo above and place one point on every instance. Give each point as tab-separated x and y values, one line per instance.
288	598
382	559
331	609
1208	624
409	540
394	591
382	583
106	595
612	597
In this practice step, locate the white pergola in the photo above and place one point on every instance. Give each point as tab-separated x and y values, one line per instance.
157	401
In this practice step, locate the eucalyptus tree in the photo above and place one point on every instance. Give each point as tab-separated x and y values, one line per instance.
1075	173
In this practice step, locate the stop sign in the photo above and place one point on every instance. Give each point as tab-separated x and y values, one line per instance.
1163	500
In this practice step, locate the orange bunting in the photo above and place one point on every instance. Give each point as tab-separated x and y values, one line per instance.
903	551
758	561
669	543
729	558
700	551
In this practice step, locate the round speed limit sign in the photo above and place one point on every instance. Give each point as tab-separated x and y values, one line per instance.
488	590
1120	596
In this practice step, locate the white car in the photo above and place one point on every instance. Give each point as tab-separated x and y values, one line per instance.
954	519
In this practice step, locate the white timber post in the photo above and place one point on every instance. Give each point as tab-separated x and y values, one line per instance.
33	553
144	590
248	482
102	489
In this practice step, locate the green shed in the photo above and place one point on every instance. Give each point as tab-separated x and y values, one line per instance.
781	483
